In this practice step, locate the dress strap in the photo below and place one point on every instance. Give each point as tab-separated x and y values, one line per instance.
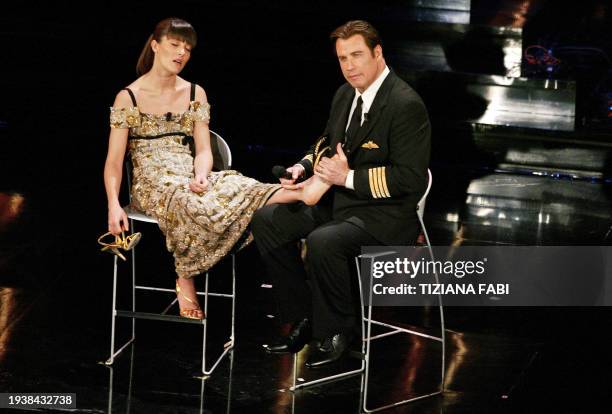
131	96
192	96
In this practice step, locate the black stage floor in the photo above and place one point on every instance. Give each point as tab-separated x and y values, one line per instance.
270	95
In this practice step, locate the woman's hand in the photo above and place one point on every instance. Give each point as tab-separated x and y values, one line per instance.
117	220
199	184
296	172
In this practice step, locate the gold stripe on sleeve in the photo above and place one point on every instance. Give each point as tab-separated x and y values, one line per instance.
383	180
371	179
378	182
308	158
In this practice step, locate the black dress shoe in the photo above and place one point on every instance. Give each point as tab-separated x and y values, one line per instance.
300	335
331	350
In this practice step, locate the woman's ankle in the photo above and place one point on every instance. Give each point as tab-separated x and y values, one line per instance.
314	190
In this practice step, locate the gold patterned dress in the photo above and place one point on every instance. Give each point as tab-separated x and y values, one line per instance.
199	229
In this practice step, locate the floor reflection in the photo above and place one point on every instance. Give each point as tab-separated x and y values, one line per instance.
8	318
11	207
122	385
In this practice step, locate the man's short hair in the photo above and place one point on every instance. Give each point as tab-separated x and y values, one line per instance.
354	27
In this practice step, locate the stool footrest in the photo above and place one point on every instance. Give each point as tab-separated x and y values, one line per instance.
158	317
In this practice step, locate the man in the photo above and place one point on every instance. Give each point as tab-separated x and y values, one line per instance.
379	129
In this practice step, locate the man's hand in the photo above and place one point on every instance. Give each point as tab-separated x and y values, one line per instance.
335	169
199	184
296	172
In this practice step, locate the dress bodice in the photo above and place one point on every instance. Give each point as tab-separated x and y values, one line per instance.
146	125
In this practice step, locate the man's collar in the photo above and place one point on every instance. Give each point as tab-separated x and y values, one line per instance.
370	93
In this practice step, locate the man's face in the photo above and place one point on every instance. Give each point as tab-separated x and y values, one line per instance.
360	65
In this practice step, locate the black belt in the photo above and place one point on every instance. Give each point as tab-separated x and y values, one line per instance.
187	139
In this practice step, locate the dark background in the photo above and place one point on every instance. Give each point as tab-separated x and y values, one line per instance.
267	67
270	73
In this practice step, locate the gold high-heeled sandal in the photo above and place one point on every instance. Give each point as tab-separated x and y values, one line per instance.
121	242
131	241
195	313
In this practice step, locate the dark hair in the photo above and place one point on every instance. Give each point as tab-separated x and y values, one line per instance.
355	27
171	27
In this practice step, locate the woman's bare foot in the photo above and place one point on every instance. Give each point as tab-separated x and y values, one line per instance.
188	299
313	190
309	192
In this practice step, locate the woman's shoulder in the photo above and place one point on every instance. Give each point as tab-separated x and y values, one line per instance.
200	94
199	90
124	113
123	98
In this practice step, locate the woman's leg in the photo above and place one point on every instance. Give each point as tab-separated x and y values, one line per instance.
310	194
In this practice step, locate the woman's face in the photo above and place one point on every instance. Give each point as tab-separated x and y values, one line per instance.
171	53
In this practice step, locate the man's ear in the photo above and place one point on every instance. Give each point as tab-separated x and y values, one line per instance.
378	51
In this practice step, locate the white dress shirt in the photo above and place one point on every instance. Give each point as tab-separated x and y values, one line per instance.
367	98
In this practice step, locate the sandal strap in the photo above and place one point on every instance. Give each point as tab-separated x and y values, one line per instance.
178	290
194	313
117	243
132	240
121	241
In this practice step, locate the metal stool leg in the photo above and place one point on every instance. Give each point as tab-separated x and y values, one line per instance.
114	354
440	307
229	345
393	330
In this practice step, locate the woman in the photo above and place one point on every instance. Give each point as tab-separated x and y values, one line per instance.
202	214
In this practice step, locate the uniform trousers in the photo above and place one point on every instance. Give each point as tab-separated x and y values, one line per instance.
322	288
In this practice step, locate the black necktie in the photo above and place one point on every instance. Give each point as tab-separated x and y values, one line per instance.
355	123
